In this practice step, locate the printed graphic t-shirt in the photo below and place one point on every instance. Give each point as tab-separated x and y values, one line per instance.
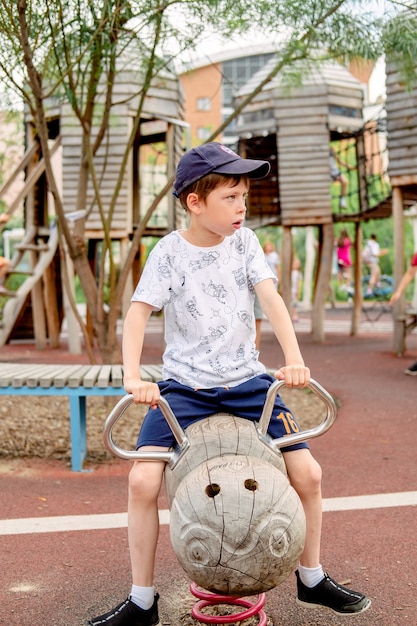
208	299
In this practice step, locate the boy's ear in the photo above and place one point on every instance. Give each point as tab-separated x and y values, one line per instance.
193	203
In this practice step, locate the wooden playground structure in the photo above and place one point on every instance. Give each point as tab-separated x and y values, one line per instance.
293	128
402	145
36	304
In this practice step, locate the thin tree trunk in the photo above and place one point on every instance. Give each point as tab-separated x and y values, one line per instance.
323	279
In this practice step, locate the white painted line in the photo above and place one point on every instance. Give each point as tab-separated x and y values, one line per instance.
377	501
69	523
62	523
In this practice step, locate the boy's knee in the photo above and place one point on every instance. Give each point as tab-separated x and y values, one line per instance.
315	472
145	479
306	478
311	476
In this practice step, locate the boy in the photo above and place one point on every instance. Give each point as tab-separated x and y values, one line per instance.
205	278
375	252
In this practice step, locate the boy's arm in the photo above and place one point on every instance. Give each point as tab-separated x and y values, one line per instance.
295	373
404	282
134	325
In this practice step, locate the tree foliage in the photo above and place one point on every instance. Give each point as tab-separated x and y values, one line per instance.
69	50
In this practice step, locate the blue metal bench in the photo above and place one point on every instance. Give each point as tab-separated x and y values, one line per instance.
74	381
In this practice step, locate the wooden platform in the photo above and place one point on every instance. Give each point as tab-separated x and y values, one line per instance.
408	320
75	381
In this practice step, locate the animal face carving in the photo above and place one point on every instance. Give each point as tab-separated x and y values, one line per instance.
237	525
218	435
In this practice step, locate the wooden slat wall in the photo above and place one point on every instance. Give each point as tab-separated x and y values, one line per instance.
303	156
401	106
302	120
164	100
106	168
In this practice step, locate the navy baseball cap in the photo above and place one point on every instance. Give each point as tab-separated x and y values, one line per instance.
217	158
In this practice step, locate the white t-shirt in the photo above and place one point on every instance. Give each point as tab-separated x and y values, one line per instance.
374	249
208	299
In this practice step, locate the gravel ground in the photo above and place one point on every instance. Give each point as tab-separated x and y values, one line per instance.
39	427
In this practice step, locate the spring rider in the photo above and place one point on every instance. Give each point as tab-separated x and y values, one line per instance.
237	526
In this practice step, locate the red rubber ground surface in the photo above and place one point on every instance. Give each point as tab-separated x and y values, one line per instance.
63	578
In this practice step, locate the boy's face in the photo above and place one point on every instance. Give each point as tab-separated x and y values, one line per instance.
223	211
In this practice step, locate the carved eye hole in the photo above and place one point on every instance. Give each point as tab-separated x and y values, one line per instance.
251	484
212	490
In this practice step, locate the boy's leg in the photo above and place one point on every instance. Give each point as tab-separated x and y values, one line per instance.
304	474
343	184
145	480
375	275
314	587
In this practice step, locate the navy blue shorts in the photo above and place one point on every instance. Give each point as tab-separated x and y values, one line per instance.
189	405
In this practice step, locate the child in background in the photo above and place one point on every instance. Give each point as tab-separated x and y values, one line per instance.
296	284
272	257
372	261
344	262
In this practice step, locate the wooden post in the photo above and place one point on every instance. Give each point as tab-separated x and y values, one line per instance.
398	221
127	293
38	312
325	260
412	215
74	339
361	161
51	304
170	141
309	268
357	281
286	262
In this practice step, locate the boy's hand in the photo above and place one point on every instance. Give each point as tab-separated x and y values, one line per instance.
143	392
294	375
395	296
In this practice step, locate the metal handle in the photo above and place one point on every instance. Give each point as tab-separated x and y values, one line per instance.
288	440
166	455
171	456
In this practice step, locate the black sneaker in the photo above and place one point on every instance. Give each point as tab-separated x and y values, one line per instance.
129	614
412	370
328	593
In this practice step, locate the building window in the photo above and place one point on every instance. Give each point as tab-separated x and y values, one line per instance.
345	111
230	130
237	72
203	104
203	132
